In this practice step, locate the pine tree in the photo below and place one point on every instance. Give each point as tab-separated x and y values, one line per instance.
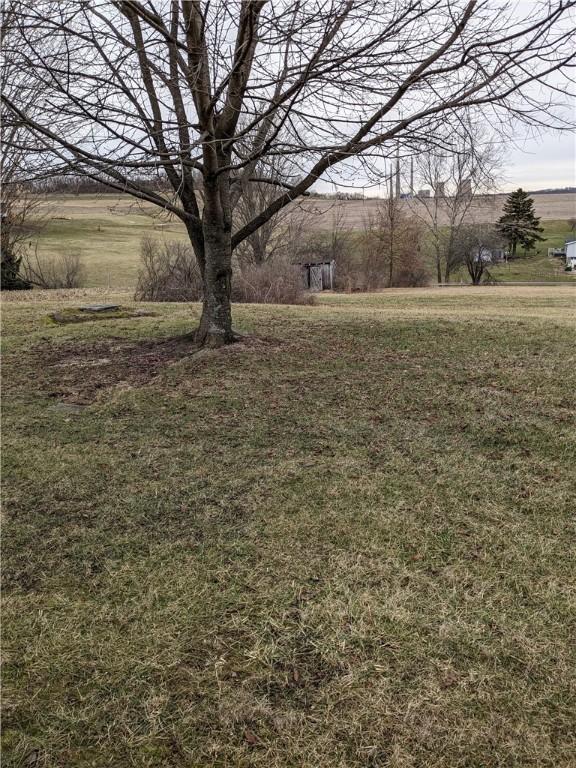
519	223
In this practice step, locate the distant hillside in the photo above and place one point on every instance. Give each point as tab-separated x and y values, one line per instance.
558	191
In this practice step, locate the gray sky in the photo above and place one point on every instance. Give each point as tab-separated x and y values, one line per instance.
549	161
544	162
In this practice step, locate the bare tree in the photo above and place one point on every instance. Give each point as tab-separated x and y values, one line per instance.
391	243
19	203
456	180
269	240
165	88
473	245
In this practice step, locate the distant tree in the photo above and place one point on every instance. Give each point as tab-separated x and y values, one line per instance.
473	244
391	243
519	223
457	178
269	240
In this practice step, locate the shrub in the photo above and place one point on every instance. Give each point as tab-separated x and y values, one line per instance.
365	265
63	271
411	272
274	282
170	273
10	278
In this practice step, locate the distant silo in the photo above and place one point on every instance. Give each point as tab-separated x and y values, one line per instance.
465	187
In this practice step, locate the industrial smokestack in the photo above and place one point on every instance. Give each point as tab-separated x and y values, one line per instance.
398	171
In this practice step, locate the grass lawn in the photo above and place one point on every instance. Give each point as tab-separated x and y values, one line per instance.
539	267
107	232
346	542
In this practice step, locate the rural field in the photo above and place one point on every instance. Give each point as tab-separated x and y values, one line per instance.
346	541
107	232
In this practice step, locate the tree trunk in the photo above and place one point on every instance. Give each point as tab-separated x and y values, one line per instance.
258	250
215	329
438	266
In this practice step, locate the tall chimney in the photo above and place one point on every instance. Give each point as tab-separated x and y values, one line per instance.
398	171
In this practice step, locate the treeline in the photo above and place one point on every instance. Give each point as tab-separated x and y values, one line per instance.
77	185
341	196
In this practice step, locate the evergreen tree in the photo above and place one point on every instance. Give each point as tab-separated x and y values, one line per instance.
519	223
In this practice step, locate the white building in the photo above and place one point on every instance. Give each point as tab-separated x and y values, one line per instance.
571	254
488	255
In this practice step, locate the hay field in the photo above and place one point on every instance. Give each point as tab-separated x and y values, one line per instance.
353	213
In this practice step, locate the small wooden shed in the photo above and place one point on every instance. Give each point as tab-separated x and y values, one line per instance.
319	275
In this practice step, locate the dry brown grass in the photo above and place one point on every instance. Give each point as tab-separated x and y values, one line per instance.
349	546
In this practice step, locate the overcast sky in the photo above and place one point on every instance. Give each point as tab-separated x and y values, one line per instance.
546	162
549	161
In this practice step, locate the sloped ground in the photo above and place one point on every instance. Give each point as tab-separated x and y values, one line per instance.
347	541
107	232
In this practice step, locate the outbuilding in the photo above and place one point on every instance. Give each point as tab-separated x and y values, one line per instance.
571	253
319	275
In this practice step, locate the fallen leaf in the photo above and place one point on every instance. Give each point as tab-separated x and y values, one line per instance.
251	737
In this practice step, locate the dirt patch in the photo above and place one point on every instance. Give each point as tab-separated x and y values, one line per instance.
79	373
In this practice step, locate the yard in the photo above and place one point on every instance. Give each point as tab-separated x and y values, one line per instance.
347	541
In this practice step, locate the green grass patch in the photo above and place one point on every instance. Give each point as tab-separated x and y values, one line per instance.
109	244
347	541
536	266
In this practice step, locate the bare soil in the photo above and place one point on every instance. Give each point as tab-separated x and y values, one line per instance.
81	373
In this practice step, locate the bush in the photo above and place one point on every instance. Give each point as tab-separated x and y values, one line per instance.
411	273
365	266
10	278
170	273
274	282
63	271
